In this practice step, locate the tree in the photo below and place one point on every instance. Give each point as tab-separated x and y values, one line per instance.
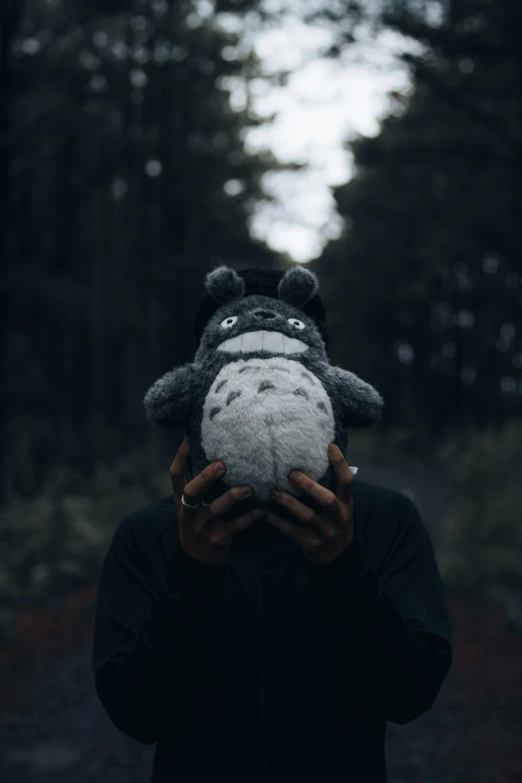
430	261
130	180
11	14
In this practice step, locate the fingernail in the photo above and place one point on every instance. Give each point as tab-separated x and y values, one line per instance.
331	448
294	475
246	491
275	493
218	467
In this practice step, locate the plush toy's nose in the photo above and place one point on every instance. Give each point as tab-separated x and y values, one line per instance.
265	314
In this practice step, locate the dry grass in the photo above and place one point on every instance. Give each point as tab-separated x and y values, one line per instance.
59	539
479	543
481	538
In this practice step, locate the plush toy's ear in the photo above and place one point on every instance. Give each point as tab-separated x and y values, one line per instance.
224	284
297	286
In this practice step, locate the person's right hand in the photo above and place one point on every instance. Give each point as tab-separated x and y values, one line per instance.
203	534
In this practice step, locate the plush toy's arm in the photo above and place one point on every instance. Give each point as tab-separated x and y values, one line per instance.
356	402
169	400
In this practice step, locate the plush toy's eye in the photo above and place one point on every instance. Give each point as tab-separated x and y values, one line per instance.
229	322
296	322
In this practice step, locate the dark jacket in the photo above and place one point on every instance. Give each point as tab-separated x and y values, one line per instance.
265	670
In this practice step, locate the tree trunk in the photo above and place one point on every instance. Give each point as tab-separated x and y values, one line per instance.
11	14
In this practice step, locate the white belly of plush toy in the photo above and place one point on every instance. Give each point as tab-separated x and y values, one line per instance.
264	418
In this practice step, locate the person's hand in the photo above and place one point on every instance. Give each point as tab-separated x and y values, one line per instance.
202	533
326	534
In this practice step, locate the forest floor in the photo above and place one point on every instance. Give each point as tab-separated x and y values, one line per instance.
53	730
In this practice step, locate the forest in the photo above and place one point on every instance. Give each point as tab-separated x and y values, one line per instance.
125	178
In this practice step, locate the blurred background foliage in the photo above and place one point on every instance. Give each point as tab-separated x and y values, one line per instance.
124	179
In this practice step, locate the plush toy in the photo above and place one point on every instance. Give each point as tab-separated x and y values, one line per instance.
260	394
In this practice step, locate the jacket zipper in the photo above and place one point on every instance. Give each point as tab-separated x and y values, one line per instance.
263	734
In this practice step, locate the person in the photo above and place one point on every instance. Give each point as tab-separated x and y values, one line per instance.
261	651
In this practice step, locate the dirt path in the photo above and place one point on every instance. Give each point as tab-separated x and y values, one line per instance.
53	730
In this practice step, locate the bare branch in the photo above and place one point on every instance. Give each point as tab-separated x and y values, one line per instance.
454	98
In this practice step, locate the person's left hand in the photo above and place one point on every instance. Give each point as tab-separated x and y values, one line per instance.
326	534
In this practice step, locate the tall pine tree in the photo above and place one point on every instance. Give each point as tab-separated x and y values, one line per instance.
129	180
424	286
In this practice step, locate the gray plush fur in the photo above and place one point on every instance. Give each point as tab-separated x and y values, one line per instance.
283	417
263	412
224	284
298	286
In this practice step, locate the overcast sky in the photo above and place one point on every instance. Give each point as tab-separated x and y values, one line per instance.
324	103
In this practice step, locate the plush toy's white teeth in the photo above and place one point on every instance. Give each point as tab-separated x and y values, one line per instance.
273	342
